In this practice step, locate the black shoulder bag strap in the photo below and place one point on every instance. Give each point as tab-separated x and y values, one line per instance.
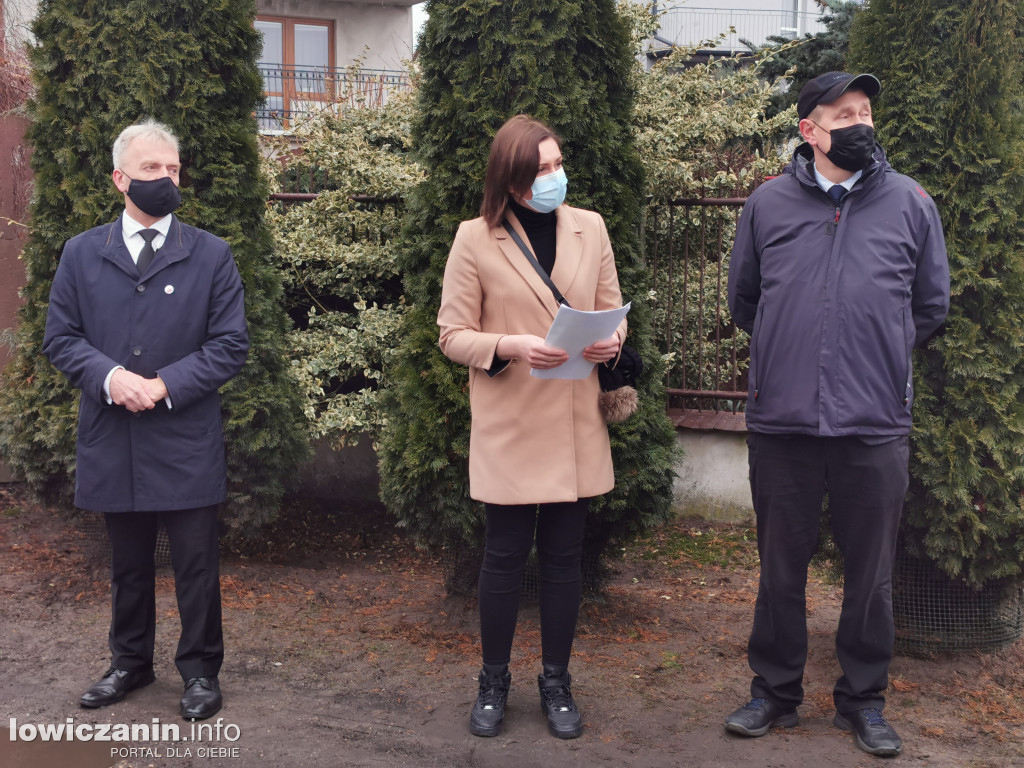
536	265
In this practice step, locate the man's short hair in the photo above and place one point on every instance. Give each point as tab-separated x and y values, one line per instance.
147	129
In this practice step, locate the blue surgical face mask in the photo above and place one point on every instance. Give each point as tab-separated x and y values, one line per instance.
548	192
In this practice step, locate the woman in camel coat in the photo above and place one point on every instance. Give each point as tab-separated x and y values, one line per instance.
539	448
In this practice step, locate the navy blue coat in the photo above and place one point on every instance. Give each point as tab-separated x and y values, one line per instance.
184	320
835	299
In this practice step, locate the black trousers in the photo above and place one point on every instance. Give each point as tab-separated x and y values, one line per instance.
511	530
196	562
866	484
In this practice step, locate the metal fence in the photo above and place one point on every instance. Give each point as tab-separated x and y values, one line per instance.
687	244
293	92
693	26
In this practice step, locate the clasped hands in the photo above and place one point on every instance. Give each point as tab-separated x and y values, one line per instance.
134	392
539	355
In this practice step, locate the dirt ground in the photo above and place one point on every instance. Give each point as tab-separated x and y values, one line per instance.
343	649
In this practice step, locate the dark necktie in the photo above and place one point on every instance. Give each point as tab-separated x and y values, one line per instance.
836	192
147	253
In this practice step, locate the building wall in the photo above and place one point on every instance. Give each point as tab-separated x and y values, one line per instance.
712	478
379	33
807	6
17	14
690	23
14	194
385	26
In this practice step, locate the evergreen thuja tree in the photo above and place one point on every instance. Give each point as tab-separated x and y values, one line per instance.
483	61
813	55
99	66
949	115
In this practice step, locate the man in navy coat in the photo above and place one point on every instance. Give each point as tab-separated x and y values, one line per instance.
146	318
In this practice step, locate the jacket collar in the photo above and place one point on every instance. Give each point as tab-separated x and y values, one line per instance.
802	168
177	246
568	250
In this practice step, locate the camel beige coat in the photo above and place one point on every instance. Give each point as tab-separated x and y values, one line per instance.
532	440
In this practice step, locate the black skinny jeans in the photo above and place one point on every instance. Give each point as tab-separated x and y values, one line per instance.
510	536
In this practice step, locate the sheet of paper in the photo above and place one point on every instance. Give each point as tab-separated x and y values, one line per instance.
573	330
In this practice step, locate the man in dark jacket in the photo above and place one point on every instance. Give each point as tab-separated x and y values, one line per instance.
146	318
838	271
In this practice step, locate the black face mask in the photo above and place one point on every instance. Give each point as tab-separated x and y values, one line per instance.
158	197
853	147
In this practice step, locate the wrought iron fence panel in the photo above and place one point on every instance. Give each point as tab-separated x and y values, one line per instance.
687	245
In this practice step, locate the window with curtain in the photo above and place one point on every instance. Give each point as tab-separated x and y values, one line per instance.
297	65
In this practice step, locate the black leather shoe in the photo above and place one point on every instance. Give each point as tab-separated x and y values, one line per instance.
564	720
873	734
489	710
114	686
757	716
202	698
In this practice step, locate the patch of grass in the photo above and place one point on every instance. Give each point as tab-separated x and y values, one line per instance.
671	661
828	568
701	544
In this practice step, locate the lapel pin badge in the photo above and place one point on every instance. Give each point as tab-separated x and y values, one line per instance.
168	289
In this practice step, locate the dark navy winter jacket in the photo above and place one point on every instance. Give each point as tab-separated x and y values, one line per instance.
835	299
182	319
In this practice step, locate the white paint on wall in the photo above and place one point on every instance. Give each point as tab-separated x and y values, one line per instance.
712	478
378	34
17	17
419	19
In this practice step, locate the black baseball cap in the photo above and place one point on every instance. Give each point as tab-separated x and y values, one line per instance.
824	89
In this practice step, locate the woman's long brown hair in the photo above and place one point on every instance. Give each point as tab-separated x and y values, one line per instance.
512	164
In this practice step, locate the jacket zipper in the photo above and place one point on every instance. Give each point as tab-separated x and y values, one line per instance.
753	351
831	227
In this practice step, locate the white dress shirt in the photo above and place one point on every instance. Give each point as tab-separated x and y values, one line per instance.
826	185
130	229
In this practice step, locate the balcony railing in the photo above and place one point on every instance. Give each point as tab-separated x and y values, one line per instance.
294	92
693	26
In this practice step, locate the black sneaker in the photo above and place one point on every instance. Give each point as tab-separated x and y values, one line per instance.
564	720
489	710
873	734
757	716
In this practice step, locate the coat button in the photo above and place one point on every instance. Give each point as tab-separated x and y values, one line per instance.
140	288
136	351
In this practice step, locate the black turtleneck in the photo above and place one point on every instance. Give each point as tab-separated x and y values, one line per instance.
540	230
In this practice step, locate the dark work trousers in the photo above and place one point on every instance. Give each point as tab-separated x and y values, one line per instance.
866	484
195	559
510	536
